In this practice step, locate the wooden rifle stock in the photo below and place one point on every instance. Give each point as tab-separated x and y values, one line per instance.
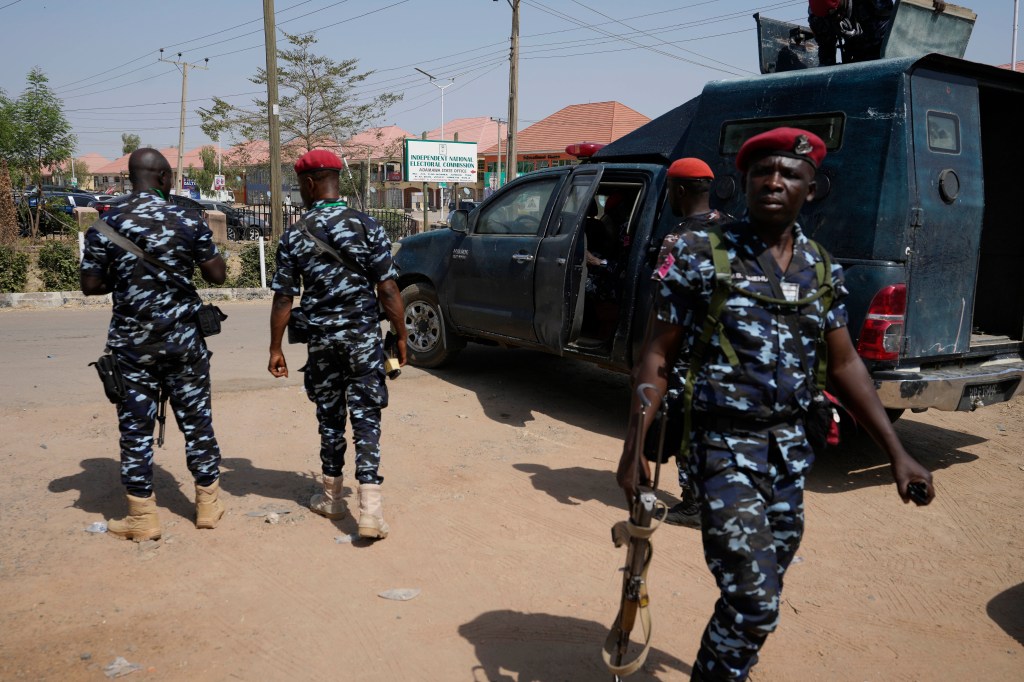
645	516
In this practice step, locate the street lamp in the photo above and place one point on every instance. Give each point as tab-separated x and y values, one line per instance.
451	82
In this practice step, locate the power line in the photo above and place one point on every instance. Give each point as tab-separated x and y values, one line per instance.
10	3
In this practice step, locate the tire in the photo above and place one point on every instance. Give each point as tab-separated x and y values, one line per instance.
252	233
427	329
232	234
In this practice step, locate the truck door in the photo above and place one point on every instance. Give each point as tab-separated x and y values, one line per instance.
946	224
561	269
490	282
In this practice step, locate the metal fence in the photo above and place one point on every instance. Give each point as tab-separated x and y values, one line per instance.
397	224
262	211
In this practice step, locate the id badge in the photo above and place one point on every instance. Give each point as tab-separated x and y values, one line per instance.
791	291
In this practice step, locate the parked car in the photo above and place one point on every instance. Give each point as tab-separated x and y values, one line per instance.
64	202
241	224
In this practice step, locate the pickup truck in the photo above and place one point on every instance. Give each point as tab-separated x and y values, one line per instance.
917	199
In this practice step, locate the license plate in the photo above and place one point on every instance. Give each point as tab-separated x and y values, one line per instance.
987	394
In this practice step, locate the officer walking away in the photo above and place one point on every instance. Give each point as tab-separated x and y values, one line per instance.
753	390
857	27
154	336
689	188
345	370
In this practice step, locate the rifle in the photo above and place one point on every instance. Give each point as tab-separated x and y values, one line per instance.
645	517
161	416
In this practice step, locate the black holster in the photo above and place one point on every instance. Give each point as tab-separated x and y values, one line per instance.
110	375
298	326
209	317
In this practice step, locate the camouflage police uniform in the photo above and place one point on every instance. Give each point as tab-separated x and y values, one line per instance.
153	333
749	454
345	371
674	393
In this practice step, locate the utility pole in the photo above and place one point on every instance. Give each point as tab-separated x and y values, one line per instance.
499	121
513	94
185	66
1013	52
426	216
273	111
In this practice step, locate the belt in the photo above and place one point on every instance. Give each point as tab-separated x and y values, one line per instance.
725	424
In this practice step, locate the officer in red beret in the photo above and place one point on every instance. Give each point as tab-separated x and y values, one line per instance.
689	189
858	28
339	260
755	395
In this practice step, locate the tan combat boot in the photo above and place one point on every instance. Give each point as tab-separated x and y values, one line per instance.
329	503
371	514
209	508
142	523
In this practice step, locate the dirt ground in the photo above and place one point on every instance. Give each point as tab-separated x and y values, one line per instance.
500	495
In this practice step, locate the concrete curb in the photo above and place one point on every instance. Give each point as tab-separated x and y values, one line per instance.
76	299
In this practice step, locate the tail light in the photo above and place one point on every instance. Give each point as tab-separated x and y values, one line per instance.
882	332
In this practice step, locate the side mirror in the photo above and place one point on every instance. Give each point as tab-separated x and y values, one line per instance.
459	220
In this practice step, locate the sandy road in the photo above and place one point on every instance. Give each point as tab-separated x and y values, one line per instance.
500	496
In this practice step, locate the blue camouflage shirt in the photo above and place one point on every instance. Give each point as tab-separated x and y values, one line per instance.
775	377
341	304
151	315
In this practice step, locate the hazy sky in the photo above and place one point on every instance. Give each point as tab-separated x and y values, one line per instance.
101	57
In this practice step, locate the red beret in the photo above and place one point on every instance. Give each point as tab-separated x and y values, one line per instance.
821	8
690	169
792	142
317	159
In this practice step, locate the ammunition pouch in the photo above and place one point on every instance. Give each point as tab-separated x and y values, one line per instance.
110	375
209	317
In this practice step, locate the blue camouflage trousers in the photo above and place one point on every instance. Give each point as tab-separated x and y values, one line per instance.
751	525
342	379
186	379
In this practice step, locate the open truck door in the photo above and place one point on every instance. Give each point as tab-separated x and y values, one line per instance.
561	270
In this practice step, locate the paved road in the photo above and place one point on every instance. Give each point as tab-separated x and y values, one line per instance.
47	352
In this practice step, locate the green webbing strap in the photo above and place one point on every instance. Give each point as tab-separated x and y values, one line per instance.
823	269
712	321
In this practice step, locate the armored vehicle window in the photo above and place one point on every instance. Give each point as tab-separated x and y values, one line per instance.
829	127
943	132
519	211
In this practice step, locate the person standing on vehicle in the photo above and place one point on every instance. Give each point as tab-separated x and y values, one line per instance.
857	27
155	339
345	370
749	452
688	188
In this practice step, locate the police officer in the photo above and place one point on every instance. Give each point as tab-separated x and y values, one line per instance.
857	27
688	188
345	371
749	448
154	337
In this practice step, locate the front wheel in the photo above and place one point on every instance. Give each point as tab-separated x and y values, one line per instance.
253	233
427	345
232	233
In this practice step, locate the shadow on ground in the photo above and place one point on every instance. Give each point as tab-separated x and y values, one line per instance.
1007	611
537	647
100	491
858	463
514	384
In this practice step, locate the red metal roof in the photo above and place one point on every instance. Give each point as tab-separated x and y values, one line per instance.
602	122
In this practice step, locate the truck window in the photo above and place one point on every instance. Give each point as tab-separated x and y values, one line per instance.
943	132
829	127
518	211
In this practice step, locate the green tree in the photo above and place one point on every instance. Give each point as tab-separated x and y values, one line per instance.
318	103
38	134
130	142
8	214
